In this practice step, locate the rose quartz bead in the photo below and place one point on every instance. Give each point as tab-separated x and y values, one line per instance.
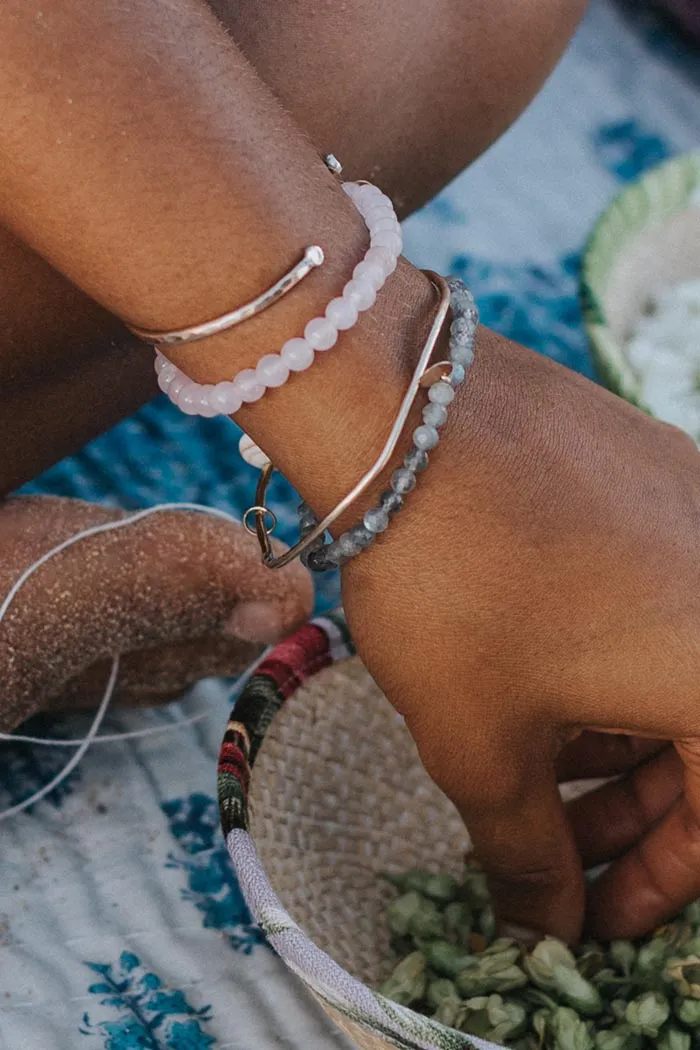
392	241
166	376
379	213
248	385
188	398
360	293
225	399
297	354
175	387
370	193
159	363
372	273
206	408
272	370
382	257
321	334
386	226
168	373
377	208
383	226
341	313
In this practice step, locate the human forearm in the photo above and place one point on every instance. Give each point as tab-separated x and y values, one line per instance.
152	167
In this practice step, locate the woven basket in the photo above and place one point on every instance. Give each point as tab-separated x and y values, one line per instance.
321	790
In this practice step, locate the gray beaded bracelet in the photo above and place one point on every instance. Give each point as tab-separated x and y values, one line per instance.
322	556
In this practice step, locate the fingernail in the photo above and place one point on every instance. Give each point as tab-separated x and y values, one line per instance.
256	622
523	934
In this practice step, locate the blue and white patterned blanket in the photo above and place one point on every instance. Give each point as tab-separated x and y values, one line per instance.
121	925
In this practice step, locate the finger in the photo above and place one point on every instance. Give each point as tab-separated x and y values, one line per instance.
171	577
157	676
594	754
514	813
661	874
610	820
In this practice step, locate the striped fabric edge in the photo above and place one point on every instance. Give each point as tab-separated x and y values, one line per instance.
397	1026
320	643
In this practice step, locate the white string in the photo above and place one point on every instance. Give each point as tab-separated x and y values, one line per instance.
91	736
105	738
108	526
72	763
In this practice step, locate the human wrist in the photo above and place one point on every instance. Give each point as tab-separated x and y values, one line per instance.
325	427
342	417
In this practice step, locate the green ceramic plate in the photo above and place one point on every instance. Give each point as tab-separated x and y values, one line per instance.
648	237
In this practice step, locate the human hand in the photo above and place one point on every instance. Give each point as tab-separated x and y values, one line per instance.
535	616
179	595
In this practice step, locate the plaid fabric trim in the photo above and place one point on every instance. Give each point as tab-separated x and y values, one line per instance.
317	645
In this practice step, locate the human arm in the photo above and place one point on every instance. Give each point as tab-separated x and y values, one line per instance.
552	541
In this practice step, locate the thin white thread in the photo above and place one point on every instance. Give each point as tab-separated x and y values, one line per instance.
106	738
72	762
108	526
91	736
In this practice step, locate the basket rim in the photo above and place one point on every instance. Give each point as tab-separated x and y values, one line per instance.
315	647
665	189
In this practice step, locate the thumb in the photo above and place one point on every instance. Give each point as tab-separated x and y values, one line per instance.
171	577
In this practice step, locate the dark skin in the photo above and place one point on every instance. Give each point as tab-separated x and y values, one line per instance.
70	370
542	593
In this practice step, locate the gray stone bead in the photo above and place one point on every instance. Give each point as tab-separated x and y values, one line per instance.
361	536
461	297
335	554
441	393
403	480
457	287
425	437
318	562
435	415
307	519
471	314
306	526
461	327
347	545
391	502
465	293
376	520
461	304
458	374
416	460
462	354
305	555
317	545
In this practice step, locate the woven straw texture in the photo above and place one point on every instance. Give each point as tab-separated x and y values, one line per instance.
338	796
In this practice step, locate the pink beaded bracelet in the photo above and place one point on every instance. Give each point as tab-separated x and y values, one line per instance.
320	334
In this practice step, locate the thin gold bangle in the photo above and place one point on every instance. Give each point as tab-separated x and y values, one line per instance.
424	375
312	257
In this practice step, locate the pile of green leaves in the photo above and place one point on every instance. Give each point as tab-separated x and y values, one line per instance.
620	996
